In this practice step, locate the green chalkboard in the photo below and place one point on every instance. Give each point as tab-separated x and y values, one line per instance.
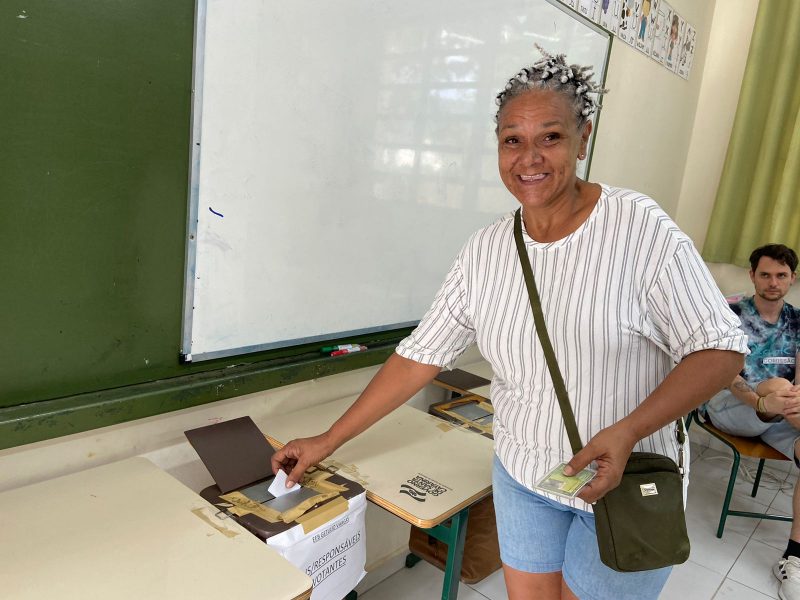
96	99
95	102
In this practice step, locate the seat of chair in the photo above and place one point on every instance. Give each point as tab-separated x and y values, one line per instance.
747	446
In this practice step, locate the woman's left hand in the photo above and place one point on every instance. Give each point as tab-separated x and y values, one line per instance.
610	450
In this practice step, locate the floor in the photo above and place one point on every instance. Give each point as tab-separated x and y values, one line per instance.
736	567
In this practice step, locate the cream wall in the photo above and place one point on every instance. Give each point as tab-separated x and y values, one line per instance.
668	137
716	109
646	123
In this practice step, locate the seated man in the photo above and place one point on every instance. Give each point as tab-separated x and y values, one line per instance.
763	400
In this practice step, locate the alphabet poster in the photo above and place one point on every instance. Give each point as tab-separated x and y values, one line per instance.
627	21
589	9
652	27
677	29
644	41
609	15
686	54
661	30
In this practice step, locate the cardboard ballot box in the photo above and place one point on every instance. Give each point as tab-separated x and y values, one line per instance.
319	528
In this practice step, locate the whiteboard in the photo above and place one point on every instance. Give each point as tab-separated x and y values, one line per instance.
343	151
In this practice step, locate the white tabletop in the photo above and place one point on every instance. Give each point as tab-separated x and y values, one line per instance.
415	465
129	530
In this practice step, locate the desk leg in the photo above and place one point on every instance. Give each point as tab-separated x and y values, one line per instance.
455	552
454	536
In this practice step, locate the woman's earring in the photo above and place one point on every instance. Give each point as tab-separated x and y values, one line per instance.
581	156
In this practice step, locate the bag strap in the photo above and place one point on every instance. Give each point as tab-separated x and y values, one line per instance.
544	338
550	356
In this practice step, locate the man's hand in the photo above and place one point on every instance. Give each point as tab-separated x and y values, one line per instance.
791	405
300	454
610	449
781	401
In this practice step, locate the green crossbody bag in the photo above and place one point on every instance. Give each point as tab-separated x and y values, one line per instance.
640	524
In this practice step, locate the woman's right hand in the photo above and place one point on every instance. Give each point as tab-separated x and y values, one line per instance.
300	454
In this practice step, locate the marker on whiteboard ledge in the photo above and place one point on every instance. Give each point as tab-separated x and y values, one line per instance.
329	349
348	350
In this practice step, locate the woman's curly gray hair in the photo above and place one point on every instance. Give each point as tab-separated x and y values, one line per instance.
552	72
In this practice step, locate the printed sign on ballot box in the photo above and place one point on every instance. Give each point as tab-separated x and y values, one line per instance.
332	555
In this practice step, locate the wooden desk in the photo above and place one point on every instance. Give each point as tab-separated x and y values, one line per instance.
414	465
130	531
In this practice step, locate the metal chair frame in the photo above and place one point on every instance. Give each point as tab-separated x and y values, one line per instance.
751	447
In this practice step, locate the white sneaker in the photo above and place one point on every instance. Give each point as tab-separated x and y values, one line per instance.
787	570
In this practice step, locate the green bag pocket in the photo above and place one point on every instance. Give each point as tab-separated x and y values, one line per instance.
641	524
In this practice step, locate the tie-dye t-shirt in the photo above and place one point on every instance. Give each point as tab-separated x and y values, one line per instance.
773	346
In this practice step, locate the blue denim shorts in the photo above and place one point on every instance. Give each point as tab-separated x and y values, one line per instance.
731	415
538	535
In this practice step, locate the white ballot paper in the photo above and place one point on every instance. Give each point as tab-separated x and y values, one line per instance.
278	486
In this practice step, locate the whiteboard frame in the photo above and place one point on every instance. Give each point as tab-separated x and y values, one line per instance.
198	68
186	355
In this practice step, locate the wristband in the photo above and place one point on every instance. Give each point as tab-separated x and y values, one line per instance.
760	405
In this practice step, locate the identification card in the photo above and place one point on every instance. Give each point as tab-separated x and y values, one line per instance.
555	482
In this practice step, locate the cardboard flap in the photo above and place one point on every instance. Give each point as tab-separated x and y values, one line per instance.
235	452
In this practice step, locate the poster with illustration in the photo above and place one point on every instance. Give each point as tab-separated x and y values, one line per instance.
686	53
655	10
589	9
627	21
660	31
644	41
609	14
677	28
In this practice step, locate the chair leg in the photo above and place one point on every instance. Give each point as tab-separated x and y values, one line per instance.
758	477
731	482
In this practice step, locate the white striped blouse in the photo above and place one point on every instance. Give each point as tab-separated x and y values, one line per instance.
625	297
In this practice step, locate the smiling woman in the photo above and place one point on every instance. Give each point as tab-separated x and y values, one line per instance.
625	297
543	129
538	147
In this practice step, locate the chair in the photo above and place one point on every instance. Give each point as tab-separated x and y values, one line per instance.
740	446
